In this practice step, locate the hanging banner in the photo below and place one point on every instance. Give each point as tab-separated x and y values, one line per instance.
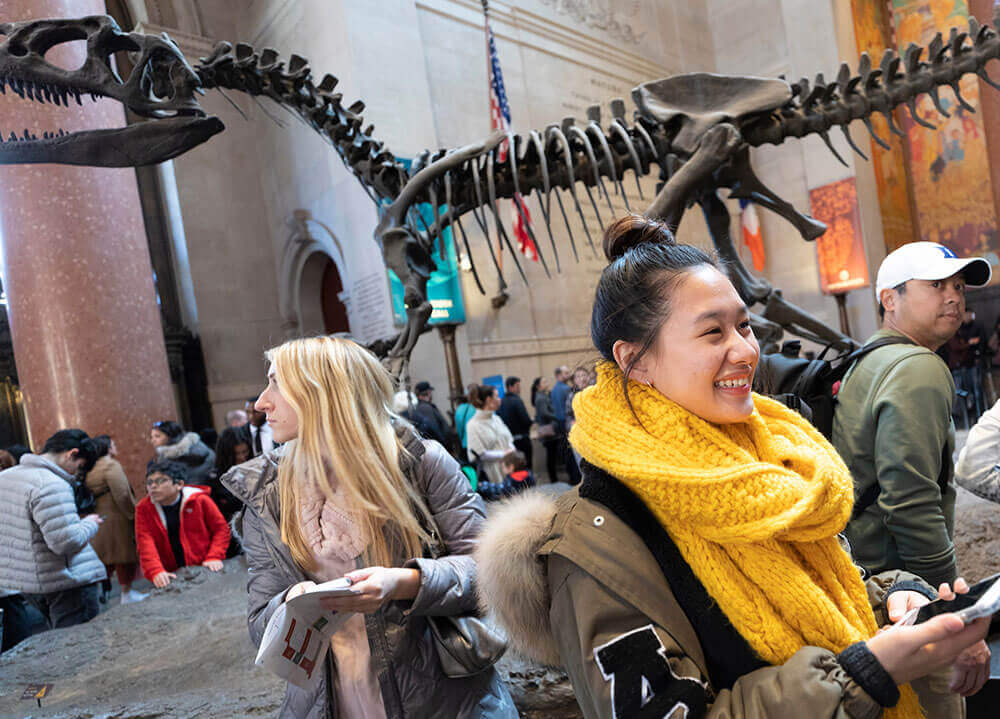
841	249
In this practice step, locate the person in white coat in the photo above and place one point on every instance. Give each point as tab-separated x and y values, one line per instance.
488	437
978	467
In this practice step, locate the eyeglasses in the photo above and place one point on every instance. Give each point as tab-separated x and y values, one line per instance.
157	481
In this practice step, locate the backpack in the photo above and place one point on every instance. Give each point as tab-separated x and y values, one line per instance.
810	386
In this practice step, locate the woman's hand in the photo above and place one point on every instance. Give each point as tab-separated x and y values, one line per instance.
972	667
899	603
972	670
375	586
297	589
909	652
213	565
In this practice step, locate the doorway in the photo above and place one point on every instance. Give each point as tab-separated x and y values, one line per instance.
334	309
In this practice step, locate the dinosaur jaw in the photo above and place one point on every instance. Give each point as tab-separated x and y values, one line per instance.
142	143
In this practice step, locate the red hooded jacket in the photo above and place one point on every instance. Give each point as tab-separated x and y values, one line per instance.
204	533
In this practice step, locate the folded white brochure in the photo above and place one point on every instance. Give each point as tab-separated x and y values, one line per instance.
299	632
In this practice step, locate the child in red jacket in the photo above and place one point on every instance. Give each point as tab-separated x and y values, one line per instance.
177	526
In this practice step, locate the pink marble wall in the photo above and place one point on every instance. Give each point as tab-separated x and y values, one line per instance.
82	305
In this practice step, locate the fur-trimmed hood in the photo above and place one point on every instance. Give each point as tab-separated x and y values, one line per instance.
511	582
179	448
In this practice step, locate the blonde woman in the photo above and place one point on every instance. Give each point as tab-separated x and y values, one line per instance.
349	494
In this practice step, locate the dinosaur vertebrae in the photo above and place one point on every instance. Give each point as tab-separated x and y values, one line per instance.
896	81
242	68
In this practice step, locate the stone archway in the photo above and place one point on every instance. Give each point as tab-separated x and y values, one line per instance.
312	280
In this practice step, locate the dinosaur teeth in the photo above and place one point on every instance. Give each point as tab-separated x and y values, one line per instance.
29	136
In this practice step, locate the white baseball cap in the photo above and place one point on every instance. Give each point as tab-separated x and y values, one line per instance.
928	261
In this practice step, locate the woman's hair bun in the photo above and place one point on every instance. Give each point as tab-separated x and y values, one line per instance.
632	231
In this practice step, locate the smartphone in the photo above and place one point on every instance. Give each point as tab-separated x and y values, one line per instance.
982	600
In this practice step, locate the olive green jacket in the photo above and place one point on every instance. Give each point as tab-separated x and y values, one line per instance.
893	427
574	586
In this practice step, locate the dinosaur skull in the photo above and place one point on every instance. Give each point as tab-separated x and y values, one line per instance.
160	87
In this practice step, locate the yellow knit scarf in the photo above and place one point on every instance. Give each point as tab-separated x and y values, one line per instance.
754	508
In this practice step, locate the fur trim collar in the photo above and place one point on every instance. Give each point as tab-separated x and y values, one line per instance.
511	580
179	448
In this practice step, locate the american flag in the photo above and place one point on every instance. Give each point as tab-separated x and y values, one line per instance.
500	120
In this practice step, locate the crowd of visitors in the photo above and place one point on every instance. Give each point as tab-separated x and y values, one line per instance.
705	559
72	508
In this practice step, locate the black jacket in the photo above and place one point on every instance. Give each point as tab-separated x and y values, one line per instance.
514	415
434	422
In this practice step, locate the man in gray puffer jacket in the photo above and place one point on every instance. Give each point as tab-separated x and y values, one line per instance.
47	554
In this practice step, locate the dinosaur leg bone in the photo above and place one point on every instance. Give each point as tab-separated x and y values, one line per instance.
752	289
740	178
718	146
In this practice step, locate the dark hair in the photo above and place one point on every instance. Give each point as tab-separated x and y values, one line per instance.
6	459
480	393
511	381
68	439
632	300
175	470
102	443
534	389
516	460
900	289
225	448
170	428
16	450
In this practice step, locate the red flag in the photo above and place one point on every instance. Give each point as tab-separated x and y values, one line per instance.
752	237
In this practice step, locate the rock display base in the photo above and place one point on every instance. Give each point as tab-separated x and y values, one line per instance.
184	652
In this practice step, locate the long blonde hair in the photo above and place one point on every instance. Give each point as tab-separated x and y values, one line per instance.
342	397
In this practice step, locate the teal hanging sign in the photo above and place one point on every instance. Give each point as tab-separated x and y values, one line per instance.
444	289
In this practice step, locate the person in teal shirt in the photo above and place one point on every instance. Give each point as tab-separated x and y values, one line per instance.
463	413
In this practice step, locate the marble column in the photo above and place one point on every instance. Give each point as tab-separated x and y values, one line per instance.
83	311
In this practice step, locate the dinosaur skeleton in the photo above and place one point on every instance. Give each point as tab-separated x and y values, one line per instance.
695	129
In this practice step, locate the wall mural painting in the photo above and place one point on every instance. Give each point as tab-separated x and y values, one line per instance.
841	249
873	32
949	164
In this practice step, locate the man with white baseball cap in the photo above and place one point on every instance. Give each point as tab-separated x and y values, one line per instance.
893	428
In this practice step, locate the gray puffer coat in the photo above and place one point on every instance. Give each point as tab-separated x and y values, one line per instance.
403	655
45	543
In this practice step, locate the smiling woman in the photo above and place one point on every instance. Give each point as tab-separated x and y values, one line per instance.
705	527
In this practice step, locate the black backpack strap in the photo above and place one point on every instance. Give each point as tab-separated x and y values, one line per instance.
870	495
858	354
